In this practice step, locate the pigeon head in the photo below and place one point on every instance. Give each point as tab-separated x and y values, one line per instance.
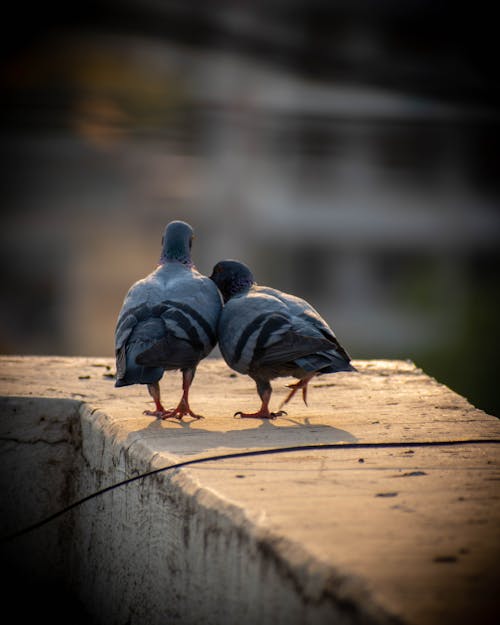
232	278
176	242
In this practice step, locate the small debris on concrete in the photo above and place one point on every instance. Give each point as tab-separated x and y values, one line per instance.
445	559
410	474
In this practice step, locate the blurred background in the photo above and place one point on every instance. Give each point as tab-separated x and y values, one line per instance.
347	151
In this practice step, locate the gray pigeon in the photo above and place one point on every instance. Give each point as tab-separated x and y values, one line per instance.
267	334
168	321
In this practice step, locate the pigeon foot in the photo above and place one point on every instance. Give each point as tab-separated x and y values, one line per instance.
174	413
301	384
179	412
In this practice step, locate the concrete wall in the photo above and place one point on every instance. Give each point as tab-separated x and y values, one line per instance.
160	550
310	538
40	473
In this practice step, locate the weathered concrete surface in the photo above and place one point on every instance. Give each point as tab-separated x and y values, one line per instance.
349	535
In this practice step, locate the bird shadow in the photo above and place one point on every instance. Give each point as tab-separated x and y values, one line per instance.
186	440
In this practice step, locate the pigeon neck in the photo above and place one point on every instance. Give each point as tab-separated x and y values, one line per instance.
177	256
238	287
165	261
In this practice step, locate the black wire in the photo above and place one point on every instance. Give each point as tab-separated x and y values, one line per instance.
246	454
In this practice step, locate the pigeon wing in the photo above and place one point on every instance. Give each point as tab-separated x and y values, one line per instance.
290	346
307	319
170	352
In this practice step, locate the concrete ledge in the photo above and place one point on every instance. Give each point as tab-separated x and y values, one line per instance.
368	534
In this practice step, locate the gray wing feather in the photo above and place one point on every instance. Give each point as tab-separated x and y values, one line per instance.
307	320
169	351
124	330
290	347
121	362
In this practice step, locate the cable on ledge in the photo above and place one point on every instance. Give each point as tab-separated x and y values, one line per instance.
245	454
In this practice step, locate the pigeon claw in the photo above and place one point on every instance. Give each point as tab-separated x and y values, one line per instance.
302	385
179	412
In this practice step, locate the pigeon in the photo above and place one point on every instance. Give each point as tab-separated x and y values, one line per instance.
168	321
267	334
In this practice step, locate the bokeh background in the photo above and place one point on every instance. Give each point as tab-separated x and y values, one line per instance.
347	151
